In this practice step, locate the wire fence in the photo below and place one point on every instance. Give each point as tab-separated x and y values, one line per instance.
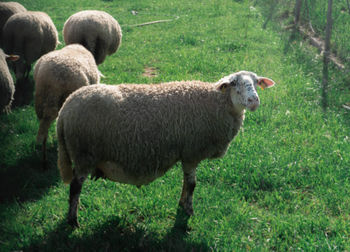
313	16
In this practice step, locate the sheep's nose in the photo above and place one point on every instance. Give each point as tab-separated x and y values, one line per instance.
253	99
253	103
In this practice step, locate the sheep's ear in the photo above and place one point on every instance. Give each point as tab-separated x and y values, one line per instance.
12	57
264	82
222	87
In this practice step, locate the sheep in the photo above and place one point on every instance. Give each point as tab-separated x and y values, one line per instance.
7	9
57	74
7	87
30	35
98	31
134	133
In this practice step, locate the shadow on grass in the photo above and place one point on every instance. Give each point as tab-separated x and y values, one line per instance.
306	62
114	235
26	180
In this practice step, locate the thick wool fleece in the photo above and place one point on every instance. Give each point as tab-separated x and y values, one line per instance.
7	87
30	35
98	31
144	129
7	9
58	74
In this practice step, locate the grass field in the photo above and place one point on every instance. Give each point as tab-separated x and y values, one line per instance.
283	184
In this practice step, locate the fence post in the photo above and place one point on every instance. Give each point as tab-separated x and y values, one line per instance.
297	10
326	54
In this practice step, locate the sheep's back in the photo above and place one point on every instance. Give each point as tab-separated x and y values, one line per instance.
59	73
30	34
72	65
98	31
7	9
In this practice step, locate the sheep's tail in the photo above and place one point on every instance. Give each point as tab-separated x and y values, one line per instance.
64	162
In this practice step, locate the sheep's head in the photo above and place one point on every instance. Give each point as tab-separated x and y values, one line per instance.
242	87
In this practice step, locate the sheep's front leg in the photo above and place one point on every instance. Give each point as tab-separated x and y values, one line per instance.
189	183
74	194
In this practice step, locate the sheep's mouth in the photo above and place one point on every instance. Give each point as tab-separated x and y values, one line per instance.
252	107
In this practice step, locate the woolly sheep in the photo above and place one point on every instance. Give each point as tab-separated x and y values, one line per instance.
98	31
7	9
134	133
7	87
57	74
29	34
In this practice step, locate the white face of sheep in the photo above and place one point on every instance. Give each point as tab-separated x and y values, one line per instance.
242	86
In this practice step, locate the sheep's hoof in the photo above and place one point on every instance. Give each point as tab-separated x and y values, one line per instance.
73	223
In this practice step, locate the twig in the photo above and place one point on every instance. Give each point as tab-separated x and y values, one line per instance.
348	5
346	106
153	22
329	246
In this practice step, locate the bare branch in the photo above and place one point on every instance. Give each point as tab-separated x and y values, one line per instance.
154	22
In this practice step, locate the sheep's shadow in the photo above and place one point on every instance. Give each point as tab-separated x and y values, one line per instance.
115	235
26	180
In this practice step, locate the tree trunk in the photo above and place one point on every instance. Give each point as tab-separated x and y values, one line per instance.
326	54
297	10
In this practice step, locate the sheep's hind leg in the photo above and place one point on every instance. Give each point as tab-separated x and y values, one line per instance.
189	183
74	194
42	138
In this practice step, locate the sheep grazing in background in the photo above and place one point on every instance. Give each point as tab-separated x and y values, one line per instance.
7	9
30	35
58	74
98	31
134	133
7	87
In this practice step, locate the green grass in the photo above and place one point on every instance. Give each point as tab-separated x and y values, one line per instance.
283	185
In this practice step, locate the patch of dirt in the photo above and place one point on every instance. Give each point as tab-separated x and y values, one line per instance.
150	72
